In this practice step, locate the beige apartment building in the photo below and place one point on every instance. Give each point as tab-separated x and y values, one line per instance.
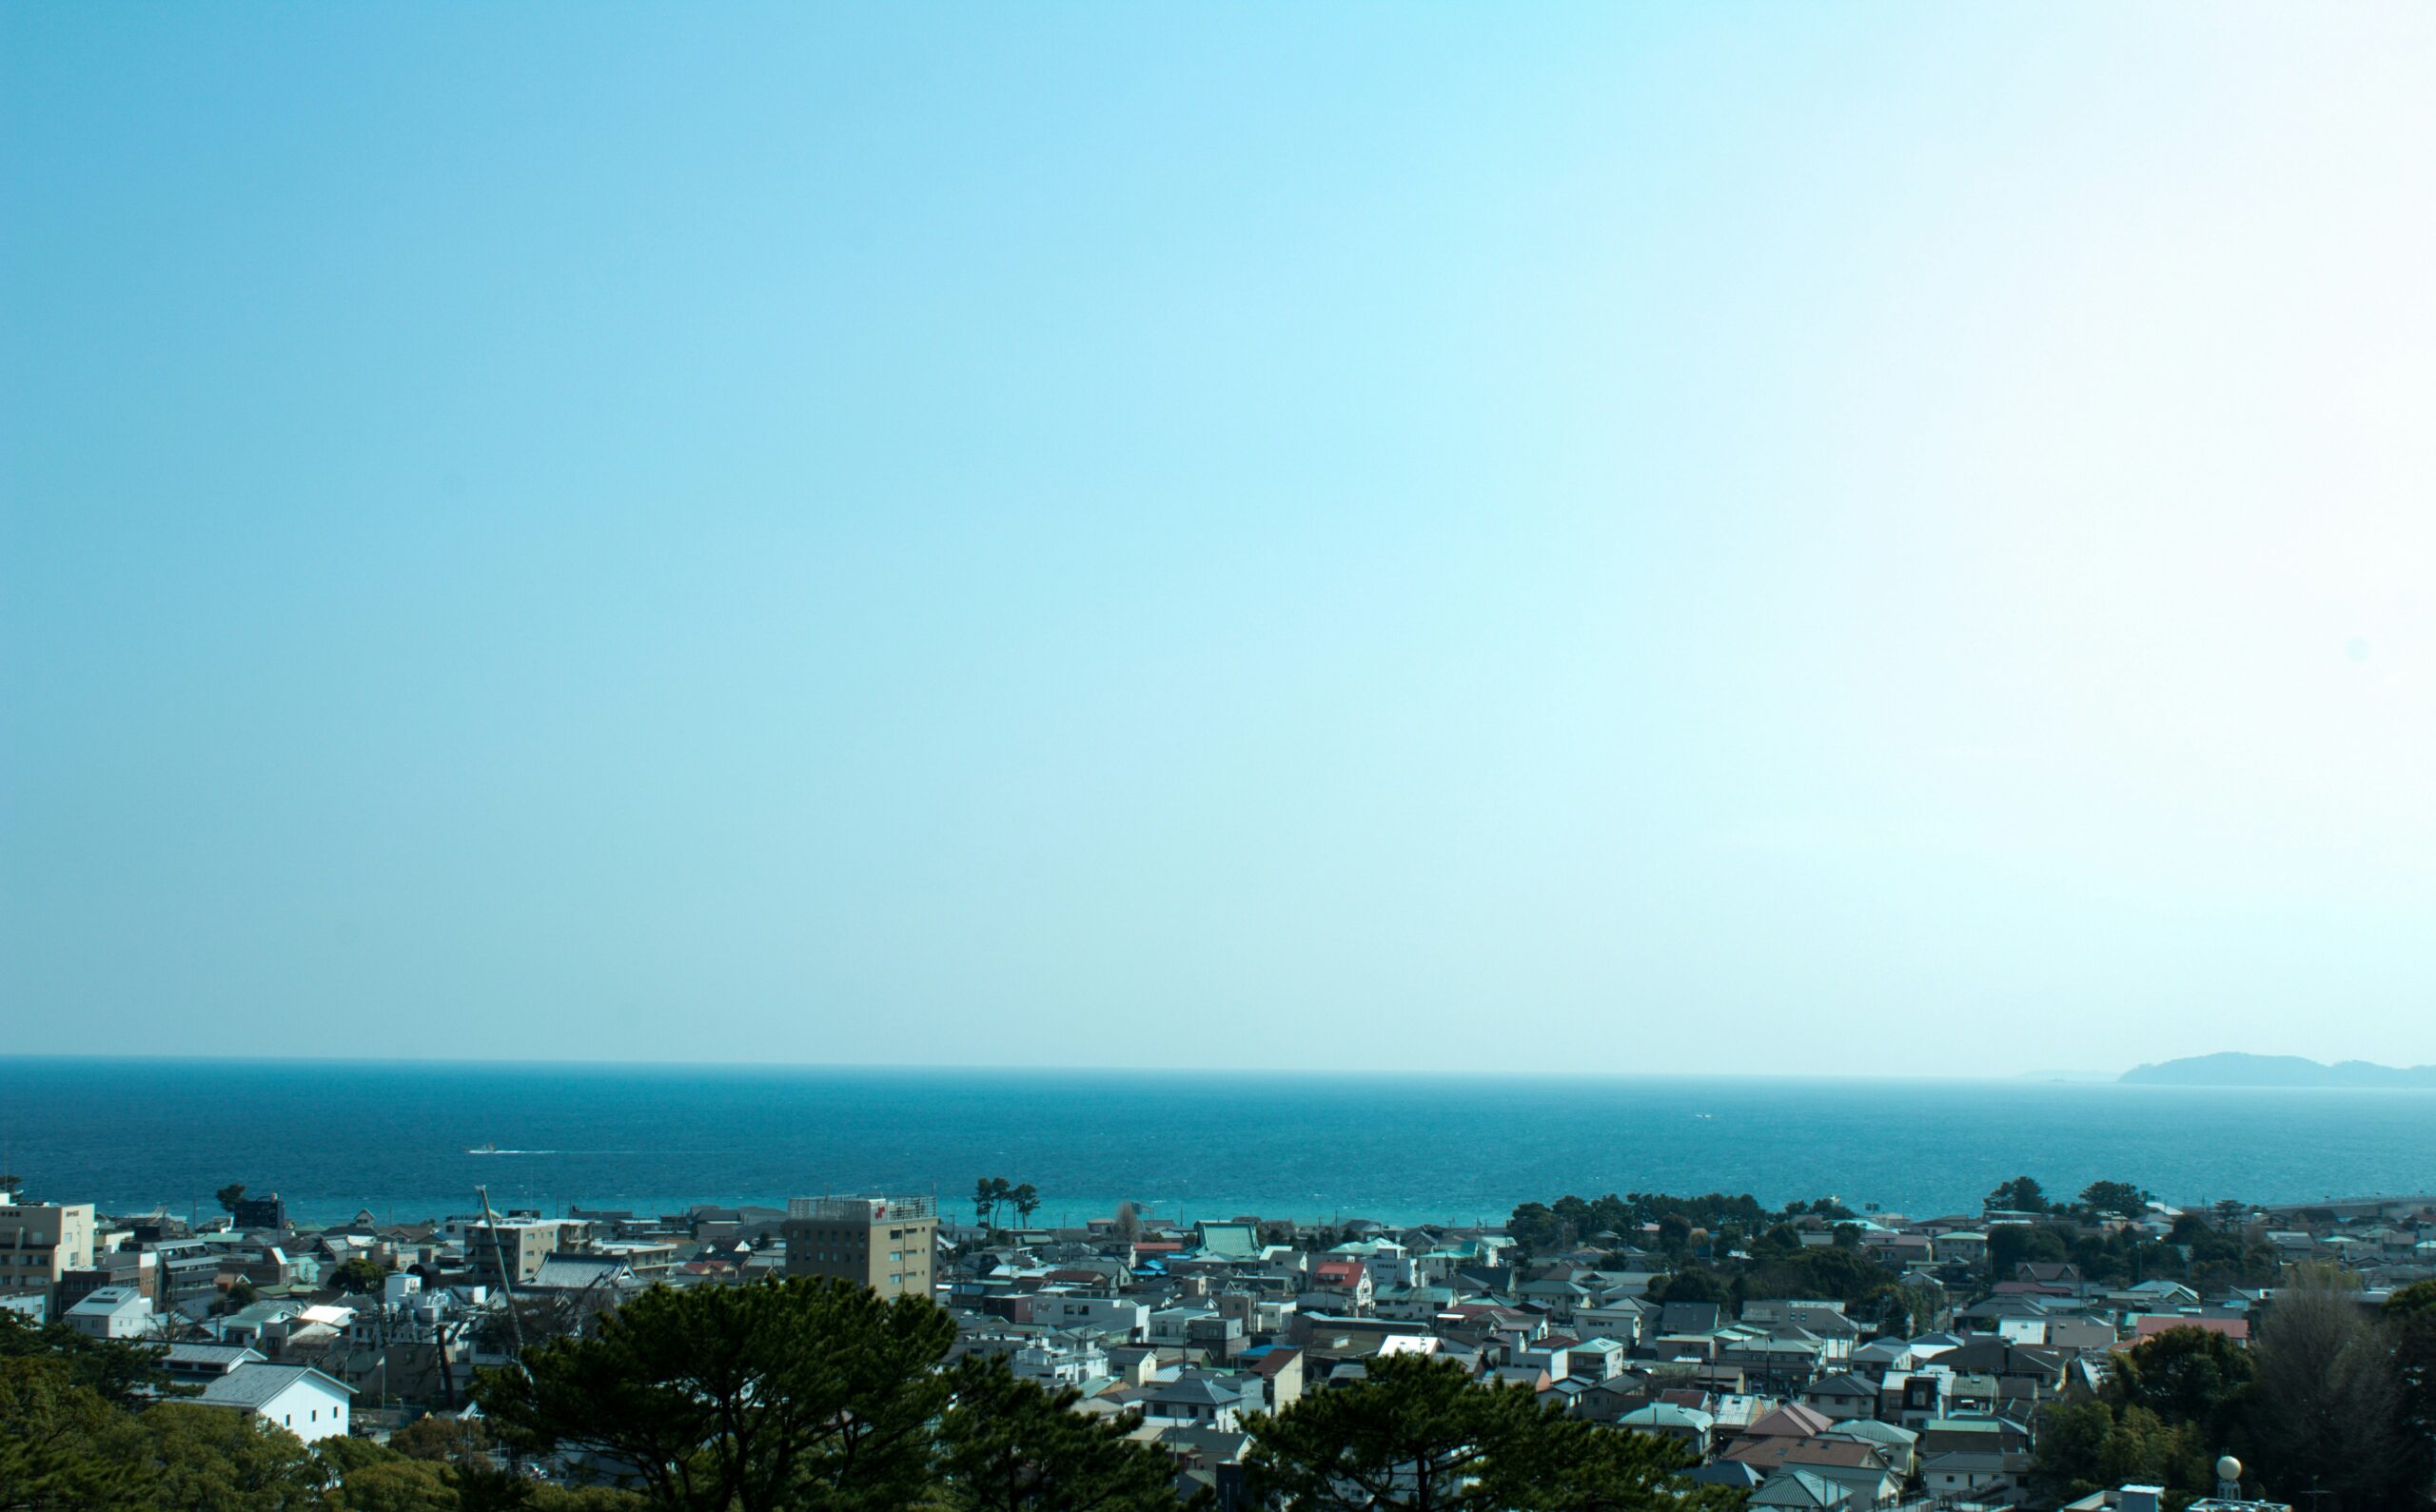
40	1243
520	1244
885	1243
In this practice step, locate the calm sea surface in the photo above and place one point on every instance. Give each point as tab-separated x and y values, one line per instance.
336	1136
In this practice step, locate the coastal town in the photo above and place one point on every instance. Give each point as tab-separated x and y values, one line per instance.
929	757
1816	1358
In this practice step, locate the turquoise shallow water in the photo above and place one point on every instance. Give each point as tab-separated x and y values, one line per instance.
334	1136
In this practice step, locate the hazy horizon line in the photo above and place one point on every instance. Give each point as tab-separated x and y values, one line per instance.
2094	1078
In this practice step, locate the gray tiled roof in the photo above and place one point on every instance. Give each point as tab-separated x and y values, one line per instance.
209	1354
570	1273
252	1385
1801	1488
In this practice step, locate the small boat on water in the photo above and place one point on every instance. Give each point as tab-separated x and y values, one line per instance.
483	1149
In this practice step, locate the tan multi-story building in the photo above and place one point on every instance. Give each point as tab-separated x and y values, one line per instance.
40	1243
884	1242
518	1245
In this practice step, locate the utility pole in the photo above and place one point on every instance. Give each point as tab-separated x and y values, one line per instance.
507	1282
444	1337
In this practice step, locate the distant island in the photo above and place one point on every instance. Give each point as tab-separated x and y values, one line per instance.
2233	1069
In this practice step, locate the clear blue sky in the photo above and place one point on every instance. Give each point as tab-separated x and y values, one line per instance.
1637	538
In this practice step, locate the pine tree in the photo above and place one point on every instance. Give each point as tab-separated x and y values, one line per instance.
1009	1446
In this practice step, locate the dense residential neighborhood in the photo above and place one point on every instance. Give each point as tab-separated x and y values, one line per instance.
2097	1353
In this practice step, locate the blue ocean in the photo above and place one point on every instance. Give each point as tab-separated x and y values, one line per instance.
333	1137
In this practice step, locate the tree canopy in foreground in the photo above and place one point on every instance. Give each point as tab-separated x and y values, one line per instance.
1419	1434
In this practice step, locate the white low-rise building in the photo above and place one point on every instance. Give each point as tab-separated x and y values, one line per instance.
1122	1317
111	1312
298	1398
1060	1362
